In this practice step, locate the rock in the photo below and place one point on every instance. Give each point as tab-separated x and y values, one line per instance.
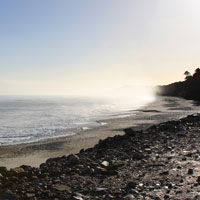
129	197
30	195
104	171
137	156
131	184
73	159
79	194
190	171
148	150
105	163
3	171
100	189
61	187
166	196
181	135
179	192
43	166
165	173
26	167
100	170
56	181
129	131
170	185
141	184
82	151
17	170
77	198
184	159
188	154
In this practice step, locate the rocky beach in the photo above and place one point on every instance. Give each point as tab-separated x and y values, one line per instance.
160	162
99	100
161	110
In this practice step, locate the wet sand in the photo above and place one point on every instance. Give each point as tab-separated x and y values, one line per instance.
36	153
161	162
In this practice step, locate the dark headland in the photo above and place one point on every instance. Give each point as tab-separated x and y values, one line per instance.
188	89
159	162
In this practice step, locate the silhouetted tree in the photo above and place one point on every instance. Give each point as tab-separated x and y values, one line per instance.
187	75
196	74
197	71
188	89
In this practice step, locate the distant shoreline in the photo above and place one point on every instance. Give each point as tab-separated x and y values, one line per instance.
188	89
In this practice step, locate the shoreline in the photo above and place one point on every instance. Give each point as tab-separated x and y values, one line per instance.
160	162
35	153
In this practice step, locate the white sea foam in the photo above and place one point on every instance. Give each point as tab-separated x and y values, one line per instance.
31	119
34	118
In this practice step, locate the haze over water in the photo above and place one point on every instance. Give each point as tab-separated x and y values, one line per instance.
33	118
88	48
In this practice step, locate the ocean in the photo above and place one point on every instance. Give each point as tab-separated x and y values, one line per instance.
25	119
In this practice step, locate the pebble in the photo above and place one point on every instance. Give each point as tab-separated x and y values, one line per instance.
190	171
129	197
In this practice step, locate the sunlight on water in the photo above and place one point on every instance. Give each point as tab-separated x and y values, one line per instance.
33	118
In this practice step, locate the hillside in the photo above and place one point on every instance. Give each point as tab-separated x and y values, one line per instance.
188	89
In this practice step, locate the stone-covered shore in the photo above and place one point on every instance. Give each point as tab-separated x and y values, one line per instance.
161	162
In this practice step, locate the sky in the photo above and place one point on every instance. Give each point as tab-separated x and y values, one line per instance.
66	47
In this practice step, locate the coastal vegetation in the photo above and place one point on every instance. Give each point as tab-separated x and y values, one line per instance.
188	89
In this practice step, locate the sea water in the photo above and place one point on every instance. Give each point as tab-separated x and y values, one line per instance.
26	119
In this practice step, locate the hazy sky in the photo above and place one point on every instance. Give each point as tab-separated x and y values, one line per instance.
69	46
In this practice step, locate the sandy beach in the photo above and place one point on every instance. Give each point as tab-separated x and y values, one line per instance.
99	100
34	154
161	162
